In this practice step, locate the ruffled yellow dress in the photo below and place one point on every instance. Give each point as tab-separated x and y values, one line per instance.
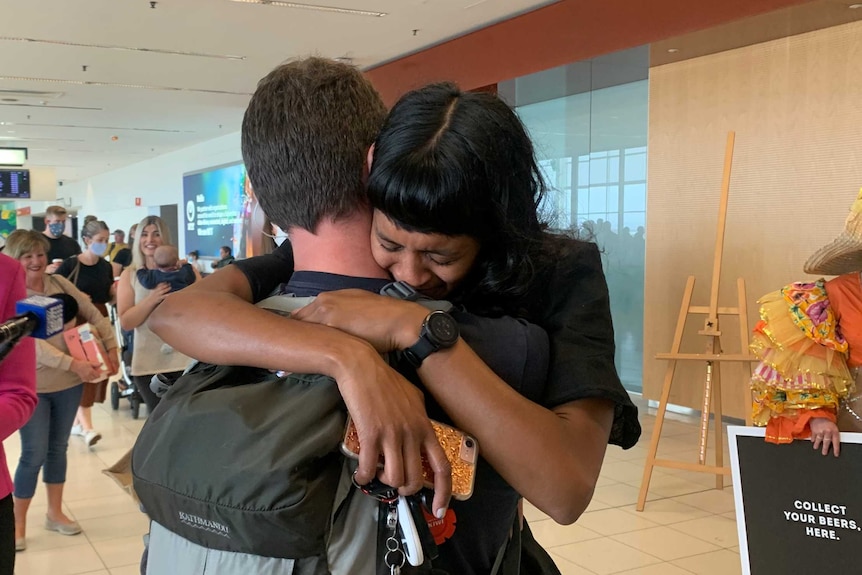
805	360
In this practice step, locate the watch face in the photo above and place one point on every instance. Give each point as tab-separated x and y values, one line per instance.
443	329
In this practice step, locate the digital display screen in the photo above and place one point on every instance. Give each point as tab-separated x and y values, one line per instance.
15	184
217	211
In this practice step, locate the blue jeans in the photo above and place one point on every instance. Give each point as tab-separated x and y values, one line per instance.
44	440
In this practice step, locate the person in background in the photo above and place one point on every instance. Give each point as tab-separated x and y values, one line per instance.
168	269
225	258
60	246
132	231
135	303
90	273
17	400
123	258
59	377
119	255
194	258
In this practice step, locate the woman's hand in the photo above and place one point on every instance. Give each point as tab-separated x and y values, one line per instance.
391	421
158	293
112	360
86	370
825	433
384	322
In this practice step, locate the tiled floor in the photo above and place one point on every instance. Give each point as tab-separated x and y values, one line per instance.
687	526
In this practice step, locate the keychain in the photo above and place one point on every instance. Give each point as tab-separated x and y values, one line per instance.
399	521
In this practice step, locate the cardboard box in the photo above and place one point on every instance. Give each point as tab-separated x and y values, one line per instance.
84	344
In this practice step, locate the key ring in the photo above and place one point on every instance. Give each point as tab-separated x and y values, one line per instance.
393	547
377	489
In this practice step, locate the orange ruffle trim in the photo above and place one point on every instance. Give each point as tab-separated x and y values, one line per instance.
786	429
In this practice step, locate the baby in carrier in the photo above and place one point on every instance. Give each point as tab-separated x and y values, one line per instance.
168	269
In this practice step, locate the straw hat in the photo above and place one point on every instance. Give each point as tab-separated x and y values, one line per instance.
844	254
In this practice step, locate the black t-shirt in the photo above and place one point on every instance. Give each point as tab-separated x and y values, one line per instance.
94	280
473	531
573	307
123	257
62	248
224	262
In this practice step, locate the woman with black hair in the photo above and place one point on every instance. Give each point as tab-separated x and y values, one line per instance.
456	191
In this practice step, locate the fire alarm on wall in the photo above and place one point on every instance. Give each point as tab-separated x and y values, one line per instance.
137	201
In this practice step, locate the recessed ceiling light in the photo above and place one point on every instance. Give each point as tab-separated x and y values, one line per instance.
673	50
124	48
114	85
314	7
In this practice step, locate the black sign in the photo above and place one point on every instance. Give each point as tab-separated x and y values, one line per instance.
14	184
802	511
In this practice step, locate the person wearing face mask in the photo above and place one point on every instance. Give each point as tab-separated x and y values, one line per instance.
194	259
62	246
93	275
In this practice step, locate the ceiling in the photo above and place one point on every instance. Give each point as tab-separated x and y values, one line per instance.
130	105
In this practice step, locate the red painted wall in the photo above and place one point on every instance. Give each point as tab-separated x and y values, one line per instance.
564	32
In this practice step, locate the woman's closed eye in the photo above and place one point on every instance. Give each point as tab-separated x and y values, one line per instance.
439	262
391	247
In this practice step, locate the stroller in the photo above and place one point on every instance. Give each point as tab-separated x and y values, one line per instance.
123	385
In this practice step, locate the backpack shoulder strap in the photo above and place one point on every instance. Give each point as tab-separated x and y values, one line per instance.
284	304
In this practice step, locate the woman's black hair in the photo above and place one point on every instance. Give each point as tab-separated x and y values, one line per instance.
461	163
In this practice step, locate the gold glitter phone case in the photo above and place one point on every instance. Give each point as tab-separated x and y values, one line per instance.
462	451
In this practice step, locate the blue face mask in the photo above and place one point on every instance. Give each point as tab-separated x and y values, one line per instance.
57	229
98	248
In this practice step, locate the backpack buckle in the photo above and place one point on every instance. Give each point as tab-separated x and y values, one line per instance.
400	290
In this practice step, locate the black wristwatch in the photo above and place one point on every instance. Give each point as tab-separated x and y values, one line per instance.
439	331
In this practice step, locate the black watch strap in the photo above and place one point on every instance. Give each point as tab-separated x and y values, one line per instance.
416	353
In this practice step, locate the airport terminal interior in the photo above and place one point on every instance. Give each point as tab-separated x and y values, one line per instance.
709	149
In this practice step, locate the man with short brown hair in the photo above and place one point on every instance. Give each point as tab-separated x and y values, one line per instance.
62	246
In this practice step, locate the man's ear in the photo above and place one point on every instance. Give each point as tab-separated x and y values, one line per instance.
370	158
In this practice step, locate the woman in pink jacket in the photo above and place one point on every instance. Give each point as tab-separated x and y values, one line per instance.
17	400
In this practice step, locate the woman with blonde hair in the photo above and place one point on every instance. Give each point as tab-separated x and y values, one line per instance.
135	303
59	377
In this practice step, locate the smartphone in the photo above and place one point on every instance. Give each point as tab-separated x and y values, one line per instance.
462	451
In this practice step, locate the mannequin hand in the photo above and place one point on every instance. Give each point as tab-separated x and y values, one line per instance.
825	433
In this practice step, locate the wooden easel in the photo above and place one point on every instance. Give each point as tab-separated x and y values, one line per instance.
713	356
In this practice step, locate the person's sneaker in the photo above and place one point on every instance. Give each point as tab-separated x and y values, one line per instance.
62	528
92	437
78	430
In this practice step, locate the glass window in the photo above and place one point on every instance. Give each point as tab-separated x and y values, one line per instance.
592	148
634	197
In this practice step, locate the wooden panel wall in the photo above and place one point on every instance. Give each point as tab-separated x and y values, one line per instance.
796	107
